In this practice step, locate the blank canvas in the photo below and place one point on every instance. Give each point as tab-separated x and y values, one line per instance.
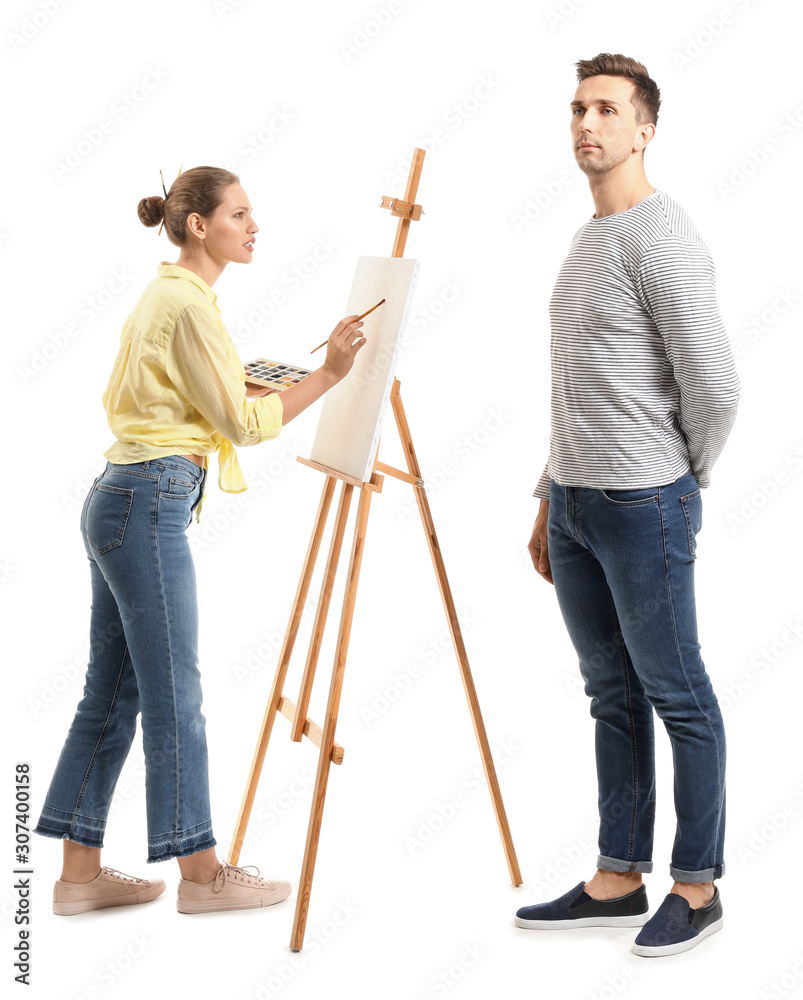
351	418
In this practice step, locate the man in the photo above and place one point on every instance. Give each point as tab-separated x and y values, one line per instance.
644	394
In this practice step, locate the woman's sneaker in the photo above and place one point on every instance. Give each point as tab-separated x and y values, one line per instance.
232	888
108	888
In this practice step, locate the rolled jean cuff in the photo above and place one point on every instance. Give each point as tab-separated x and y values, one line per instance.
704	875
617	865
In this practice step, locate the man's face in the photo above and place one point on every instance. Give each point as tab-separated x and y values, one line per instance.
603	124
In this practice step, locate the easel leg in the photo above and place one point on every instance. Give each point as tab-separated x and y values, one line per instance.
457	635
323	609
330	723
281	669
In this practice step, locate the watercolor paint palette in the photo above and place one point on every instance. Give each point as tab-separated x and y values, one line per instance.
273	373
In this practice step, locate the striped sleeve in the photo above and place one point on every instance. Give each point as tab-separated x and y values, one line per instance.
542	489
678	288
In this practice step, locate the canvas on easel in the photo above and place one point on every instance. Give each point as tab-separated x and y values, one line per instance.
351	417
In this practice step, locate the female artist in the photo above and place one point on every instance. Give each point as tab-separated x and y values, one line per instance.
176	394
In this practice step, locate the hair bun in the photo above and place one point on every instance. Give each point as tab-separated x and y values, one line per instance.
151	210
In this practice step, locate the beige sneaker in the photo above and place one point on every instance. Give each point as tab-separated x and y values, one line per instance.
232	888
108	888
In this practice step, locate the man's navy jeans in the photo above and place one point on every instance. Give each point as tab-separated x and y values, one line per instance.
623	566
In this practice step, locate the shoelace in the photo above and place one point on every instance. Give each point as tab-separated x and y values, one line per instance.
121	876
237	873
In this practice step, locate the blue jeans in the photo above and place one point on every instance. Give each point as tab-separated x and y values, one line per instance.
143	658
623	568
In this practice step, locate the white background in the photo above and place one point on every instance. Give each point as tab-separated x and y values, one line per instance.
337	102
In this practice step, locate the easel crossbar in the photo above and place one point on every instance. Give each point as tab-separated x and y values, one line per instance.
311	729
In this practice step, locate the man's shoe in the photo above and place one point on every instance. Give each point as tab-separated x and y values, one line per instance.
577	909
232	888
676	927
108	888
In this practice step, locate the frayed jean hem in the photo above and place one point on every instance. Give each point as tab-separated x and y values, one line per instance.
182	850
76	838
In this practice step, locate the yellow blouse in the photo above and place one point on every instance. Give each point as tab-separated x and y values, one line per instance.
178	385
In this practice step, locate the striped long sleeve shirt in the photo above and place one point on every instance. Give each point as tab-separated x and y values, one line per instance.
644	386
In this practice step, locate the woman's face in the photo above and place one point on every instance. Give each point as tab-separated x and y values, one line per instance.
229	233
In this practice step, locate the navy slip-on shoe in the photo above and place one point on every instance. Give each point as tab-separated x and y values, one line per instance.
676	927
577	909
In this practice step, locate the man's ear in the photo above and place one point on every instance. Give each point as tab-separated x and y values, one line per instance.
643	136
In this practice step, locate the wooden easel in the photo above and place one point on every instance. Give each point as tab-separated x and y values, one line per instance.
324	738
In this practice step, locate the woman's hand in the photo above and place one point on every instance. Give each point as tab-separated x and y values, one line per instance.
341	347
340	351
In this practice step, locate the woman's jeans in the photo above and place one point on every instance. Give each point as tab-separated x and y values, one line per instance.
623	566
143	658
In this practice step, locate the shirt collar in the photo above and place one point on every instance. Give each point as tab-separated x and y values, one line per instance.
168	270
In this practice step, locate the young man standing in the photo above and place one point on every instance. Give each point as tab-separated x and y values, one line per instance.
644	394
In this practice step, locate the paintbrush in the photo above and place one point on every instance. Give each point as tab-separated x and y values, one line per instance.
314	349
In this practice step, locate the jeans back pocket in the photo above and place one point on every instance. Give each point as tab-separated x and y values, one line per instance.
107	516
692	505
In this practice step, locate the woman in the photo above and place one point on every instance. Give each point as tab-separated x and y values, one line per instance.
176	394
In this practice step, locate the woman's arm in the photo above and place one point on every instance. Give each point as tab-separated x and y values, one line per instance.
341	349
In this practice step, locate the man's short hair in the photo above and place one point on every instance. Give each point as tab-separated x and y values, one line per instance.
646	97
